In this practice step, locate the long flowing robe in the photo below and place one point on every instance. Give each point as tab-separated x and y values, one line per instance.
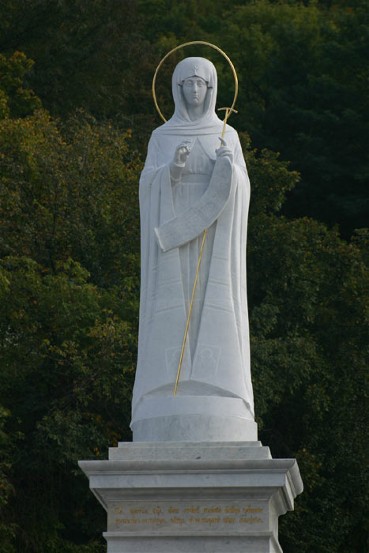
212	193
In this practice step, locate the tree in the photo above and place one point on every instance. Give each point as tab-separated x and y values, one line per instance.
62	194
302	74
68	334
90	55
309	310
16	100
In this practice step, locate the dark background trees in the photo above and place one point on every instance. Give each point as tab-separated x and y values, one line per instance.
75	115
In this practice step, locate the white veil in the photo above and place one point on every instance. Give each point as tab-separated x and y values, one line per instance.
180	123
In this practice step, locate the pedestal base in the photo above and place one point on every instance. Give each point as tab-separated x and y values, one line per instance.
193	497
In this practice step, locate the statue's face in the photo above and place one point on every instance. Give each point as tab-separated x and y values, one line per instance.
194	91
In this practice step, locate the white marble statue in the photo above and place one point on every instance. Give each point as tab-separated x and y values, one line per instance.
193	181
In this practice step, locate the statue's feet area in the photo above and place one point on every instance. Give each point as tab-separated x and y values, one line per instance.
193	419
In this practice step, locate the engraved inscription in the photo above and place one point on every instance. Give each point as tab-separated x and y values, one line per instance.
133	516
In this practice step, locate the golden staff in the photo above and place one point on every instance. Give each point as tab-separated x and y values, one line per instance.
228	111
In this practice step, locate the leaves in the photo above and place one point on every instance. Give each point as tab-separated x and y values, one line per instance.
16	100
68	331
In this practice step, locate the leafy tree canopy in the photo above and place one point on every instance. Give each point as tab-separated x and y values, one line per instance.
15	99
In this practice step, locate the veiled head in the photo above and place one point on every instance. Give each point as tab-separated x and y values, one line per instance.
194	83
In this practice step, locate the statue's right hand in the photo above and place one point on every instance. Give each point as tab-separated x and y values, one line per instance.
182	152
223	150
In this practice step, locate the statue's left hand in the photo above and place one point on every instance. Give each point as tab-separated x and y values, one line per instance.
224	151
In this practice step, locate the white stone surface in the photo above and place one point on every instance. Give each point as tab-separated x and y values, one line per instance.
176	497
200	419
191	182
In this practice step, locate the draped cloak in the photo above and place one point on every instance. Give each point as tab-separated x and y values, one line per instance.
212	193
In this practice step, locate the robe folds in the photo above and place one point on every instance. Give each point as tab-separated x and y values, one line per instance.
212	193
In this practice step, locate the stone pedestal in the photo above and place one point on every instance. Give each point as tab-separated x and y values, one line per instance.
214	497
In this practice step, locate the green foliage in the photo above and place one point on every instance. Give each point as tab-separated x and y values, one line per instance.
309	320
90	55
15	99
271	178
67	366
68	318
7	531
302	78
69	192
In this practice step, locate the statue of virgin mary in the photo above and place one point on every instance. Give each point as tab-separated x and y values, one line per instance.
193	180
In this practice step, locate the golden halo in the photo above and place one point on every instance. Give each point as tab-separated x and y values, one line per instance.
202	42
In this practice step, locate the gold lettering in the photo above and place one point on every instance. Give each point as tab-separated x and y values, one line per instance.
177	520
204	520
152	521
232	510
210	514
212	510
135	521
193	510
211	520
249	509
250	520
138	511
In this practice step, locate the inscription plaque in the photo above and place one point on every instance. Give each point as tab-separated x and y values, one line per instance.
199	516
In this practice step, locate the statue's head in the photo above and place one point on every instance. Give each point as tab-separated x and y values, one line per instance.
194	83
194	90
